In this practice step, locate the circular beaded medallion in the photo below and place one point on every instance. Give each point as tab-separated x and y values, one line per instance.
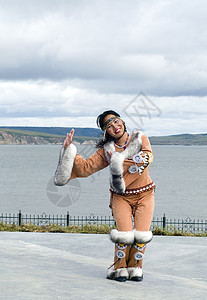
137	158
138	255
133	169
120	254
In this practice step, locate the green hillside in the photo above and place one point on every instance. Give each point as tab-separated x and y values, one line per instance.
87	132
181	139
13	136
27	132
18	136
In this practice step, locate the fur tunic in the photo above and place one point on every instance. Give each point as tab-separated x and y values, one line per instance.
72	165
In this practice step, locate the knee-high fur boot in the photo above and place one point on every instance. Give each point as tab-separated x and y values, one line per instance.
136	255
122	240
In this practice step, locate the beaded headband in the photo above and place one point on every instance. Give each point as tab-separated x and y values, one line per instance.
108	121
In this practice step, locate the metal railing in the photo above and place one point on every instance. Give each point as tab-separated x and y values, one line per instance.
62	220
184	225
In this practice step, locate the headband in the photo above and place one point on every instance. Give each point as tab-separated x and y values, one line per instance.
108	121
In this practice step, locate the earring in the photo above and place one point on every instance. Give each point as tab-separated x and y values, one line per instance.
104	134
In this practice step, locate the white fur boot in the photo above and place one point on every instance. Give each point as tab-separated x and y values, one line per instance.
122	241
118	275
135	274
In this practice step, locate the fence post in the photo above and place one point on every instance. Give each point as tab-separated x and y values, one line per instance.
164	221
68	219
19	218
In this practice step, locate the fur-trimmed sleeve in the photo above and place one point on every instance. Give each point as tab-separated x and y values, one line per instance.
72	165
86	167
65	165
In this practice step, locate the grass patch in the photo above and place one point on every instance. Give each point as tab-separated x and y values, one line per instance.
89	228
171	231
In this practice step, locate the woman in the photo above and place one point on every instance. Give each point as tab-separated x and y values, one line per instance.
132	190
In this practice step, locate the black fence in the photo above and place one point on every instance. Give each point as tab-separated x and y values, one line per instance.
184	225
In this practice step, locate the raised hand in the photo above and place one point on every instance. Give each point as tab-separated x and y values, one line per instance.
69	138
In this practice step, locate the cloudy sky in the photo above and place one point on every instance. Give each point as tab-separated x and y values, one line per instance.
62	62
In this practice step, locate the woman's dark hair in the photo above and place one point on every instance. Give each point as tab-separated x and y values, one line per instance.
101	117
100	123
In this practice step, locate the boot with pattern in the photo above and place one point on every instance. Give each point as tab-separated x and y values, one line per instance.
136	254
122	240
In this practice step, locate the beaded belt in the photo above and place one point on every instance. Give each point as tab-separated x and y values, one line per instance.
136	191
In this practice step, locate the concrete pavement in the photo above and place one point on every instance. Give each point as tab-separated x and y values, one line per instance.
73	266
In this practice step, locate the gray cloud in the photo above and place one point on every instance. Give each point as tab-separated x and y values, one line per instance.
113	46
62	59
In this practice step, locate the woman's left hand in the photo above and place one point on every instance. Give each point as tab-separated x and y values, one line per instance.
109	153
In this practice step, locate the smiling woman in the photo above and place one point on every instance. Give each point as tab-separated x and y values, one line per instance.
113	126
132	190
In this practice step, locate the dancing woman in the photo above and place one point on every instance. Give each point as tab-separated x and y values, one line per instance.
132	190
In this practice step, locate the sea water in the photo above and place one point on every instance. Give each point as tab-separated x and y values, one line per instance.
26	182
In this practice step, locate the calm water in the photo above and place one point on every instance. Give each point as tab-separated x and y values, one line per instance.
179	172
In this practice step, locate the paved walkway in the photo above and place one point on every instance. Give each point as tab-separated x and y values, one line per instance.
73	266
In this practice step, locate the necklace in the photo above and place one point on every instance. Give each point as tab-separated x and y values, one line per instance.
124	146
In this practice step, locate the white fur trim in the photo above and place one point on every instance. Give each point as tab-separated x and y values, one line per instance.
122	237
135	272
135	144
118	184
122	272
116	165
109	147
65	165
142	237
110	274
116	168
133	148
117	160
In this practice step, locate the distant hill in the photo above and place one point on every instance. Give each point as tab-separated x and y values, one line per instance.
10	136
180	139
56	135
89	132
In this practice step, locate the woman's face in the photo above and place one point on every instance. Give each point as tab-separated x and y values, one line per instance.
115	127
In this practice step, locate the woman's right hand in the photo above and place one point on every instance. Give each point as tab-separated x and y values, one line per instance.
69	138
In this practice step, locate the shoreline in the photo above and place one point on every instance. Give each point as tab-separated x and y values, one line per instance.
25	137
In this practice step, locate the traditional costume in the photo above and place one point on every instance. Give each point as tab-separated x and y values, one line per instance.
132	195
